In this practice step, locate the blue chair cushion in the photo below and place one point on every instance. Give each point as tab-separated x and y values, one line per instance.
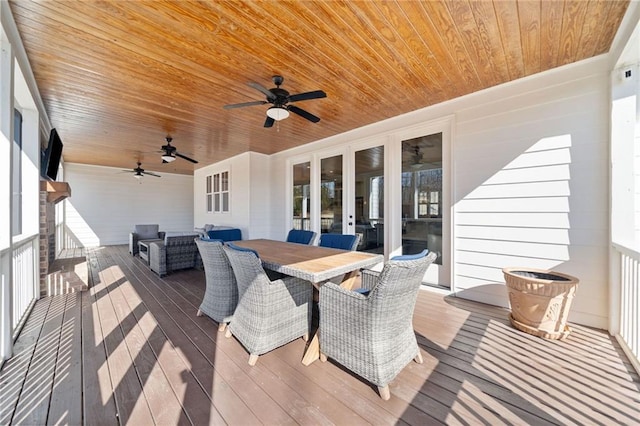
300	236
362	291
233	234
339	241
416	256
238	248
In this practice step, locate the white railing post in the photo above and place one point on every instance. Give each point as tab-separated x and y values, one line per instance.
625	306
24	282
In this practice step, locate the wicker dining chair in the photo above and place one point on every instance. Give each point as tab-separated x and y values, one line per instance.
269	313
301	236
339	241
372	334
221	291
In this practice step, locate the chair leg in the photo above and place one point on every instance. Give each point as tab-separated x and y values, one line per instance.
253	358
227	334
418	358
222	326
323	357
199	313
384	392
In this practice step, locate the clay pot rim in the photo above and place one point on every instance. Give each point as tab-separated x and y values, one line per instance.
511	272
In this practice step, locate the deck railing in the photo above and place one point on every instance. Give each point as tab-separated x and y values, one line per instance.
626	266
24	289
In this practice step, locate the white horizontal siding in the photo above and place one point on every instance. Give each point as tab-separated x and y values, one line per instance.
531	177
106	204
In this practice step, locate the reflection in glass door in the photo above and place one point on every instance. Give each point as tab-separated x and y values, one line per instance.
422	208
331	195
369	199
301	196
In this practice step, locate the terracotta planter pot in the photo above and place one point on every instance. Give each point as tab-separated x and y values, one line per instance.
540	301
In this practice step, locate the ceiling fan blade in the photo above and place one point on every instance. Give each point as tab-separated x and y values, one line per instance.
316	94
263	89
244	104
269	122
151	174
185	157
303	113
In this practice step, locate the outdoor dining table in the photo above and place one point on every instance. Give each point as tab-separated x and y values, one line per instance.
314	264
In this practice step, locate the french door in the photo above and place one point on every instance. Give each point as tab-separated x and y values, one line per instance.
393	193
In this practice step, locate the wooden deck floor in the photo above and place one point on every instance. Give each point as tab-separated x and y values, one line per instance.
131	350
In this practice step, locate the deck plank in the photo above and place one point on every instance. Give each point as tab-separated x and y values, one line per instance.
35	397
165	407
14	371
99	405
146	353
66	398
131	404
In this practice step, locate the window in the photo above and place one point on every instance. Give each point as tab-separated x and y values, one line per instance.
209	195
301	196
217	190
16	178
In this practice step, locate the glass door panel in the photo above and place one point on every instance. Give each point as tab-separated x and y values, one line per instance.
422	207
331	195
369	199
301	196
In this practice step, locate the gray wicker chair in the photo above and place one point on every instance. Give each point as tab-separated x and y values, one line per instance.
221	292
176	251
269	313
142	233
372	334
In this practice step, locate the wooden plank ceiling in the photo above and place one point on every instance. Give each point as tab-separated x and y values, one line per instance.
117	76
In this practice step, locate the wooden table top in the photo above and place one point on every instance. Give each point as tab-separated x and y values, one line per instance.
311	263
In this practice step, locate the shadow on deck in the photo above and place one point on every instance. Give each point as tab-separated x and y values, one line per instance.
131	350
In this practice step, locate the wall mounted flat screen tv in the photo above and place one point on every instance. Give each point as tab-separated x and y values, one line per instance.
51	156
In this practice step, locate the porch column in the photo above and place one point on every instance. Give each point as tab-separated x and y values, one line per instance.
6	148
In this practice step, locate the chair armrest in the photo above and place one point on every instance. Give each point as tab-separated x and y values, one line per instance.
158	258
342	309
133	243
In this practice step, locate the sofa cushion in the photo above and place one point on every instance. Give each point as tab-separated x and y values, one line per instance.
147	232
233	234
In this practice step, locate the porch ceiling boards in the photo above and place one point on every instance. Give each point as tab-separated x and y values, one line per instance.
117	76
133	345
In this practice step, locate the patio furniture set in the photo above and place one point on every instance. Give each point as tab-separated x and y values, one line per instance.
262	293
169	251
368	331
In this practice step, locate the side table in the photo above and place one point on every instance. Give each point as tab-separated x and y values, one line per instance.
143	249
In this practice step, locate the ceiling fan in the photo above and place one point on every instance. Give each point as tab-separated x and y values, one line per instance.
280	99
138	172
169	152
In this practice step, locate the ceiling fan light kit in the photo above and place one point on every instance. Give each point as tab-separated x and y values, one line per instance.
277	113
139	172
170	153
280	98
